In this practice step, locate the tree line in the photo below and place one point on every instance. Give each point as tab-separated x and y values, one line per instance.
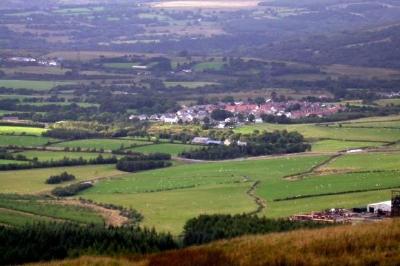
207	228
266	143
144	162
44	242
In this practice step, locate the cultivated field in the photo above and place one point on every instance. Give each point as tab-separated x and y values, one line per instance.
59	155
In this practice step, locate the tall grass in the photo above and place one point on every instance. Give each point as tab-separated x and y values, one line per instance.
364	244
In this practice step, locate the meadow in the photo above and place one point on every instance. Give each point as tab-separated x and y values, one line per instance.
188	84
105	144
59	155
18	130
311	131
33	181
26	141
168	197
330	145
173	149
32	84
49	210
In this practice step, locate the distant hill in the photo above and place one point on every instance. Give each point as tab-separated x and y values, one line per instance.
372	47
364	244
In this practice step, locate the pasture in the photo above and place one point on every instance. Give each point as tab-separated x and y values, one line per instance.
311	131
188	84
49	210
173	149
168	197
366	162
59	155
105	144
33	181
32	84
338	145
18	130
26	141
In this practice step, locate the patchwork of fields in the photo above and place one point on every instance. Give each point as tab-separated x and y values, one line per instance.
168	197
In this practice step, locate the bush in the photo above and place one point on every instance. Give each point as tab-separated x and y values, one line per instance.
57	179
70	190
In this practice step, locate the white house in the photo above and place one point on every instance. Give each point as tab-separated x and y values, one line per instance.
385	206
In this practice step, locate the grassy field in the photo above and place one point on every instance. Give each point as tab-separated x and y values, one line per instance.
188	84
217	65
173	149
11	162
49	210
312	131
222	182
338	145
385	102
33	181
106	144
31	84
56	155
16	130
6	140
169	210
16	218
366	162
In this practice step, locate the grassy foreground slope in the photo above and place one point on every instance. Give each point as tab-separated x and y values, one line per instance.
366	244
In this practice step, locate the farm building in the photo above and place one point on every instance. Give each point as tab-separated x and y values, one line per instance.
382	207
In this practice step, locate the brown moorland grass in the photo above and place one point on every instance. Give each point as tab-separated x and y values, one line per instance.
363	244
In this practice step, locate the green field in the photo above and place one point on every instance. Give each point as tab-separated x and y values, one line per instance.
106	144
167	197
173	149
32	84
188	84
217	65
16	130
175	191
366	162
12	162
33	181
312	131
16	218
50	209
6	140
338	145
59	155
385	102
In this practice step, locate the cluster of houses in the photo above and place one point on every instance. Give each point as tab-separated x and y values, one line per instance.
209	141
31	60
290	109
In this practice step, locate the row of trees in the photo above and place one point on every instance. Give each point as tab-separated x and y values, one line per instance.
60	163
44	242
144	162
207	228
71	190
265	143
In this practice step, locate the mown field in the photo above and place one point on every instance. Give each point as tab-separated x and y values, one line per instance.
26	141
106	144
173	149
32	84
59	155
33	181
339	145
16	130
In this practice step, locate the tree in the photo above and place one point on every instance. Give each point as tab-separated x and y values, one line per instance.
220	115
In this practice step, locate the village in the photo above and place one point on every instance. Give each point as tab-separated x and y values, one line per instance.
238	113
